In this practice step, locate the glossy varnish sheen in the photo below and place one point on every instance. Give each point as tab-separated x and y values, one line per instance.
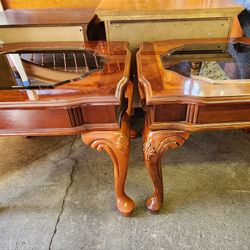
97	107
171	7
176	105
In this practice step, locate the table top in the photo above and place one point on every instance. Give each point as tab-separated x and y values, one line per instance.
197	69
92	72
45	17
115	9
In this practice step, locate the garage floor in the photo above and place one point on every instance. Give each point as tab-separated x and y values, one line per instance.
56	193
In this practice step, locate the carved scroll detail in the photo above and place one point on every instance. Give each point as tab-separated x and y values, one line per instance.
149	150
122	144
116	144
152	148
155	144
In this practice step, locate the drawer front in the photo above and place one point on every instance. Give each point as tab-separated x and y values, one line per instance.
203	113
218	113
42	34
136	32
26	119
170	113
56	118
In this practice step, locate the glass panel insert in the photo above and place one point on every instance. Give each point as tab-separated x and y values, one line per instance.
47	69
217	61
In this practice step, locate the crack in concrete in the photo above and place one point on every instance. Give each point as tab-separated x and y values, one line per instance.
67	190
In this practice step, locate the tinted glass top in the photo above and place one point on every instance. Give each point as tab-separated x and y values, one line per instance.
46	69
212	62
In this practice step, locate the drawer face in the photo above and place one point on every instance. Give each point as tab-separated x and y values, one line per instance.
170	113
55	118
42	34
136	32
99	114
222	113
25	119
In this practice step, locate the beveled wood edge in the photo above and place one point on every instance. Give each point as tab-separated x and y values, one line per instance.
113	15
74	130
51	11
91	100
61	131
145	89
198	127
124	80
198	100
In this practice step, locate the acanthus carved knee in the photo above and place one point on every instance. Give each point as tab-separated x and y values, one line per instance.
116	144
158	142
155	144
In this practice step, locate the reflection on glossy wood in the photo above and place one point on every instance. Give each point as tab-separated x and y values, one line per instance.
155	143
97	106
164	86
116	144
176	104
100	86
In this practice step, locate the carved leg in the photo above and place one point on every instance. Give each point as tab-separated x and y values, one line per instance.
116	144
155	144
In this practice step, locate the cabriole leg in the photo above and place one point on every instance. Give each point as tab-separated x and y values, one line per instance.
155	144
116	144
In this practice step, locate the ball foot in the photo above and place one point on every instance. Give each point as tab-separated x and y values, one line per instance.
125	205
154	203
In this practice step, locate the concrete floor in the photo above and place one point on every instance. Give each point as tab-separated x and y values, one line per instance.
56	193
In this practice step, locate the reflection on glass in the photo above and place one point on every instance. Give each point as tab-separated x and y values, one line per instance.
46	69
211	61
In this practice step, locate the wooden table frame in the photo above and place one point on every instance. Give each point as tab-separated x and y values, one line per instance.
97	107
172	113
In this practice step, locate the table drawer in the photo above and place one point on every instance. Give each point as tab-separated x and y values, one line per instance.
28	119
218	113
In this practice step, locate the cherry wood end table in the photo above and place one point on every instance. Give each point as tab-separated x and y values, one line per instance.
66	88
187	86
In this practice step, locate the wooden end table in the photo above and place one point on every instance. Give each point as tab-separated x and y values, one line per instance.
70	88
188	86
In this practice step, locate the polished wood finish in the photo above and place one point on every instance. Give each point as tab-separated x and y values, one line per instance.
97	106
176	105
131	20
20	4
136	21
155	144
116	144
172	8
37	25
45	17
